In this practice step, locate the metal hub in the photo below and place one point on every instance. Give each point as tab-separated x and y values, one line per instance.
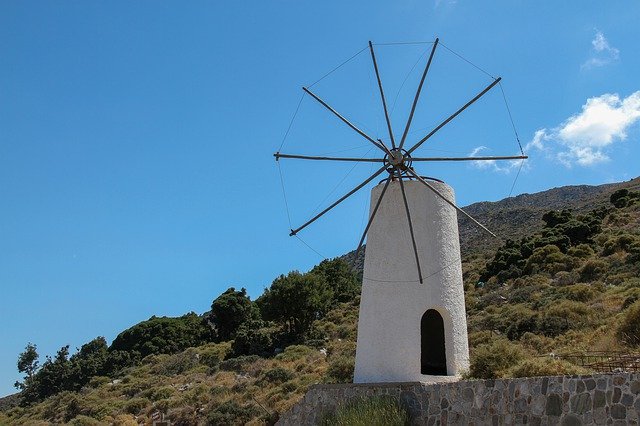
399	159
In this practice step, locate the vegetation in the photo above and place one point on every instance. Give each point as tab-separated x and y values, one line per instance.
570	285
369	412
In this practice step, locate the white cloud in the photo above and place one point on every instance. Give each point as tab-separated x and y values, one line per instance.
437	3
504	166
602	53
584	137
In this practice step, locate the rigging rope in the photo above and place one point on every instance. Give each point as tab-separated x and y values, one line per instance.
336	68
291	122
466	60
310	248
511	118
339	183
393	107
284	195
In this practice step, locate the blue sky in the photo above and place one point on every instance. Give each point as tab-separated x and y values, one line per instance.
136	138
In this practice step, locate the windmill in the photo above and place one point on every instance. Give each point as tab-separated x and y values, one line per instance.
414	331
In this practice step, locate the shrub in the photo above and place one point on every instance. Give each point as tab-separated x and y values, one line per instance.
252	339
135	405
340	369
294	352
238	364
593	269
231	413
212	354
493	360
581	251
84	421
163	335
277	375
379	411
544	367
579	292
177	364
629	329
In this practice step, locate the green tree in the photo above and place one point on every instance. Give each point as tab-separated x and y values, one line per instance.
89	361
340	277
553	218
54	375
229	311
162	335
28	364
296	300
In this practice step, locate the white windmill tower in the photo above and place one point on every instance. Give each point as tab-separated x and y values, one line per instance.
411	327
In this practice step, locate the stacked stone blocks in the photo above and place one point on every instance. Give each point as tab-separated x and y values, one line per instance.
605	399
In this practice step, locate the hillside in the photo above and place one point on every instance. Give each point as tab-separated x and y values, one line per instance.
513	217
565	282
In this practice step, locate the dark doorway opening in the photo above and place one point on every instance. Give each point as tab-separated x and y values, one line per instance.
433	360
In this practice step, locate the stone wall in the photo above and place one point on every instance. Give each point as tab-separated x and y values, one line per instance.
612	399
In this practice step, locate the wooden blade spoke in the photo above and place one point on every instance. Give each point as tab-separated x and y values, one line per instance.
415	99
435	191
413	238
512	157
454	115
347	122
309	157
384	102
373	214
344	197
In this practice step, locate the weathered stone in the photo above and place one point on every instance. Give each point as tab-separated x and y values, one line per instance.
520	405
444	404
554	405
544	386
571	420
599	399
578	387
600	416
537	405
580	403
475	403
618	411
618	380
627	400
617	393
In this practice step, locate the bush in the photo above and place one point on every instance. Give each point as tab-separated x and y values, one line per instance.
212	354
593	269
238	364
493	360
231	413
253	339
277	375
163	335
177	364
84	421
340	369
629	329
544	367
294	352
379	411
135	405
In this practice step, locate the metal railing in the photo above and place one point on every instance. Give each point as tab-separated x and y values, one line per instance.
603	361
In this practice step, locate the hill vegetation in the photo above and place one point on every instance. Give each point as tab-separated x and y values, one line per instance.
567	283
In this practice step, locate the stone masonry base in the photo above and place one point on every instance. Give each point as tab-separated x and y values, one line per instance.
606	399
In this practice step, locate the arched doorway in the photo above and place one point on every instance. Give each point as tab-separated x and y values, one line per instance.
433	360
